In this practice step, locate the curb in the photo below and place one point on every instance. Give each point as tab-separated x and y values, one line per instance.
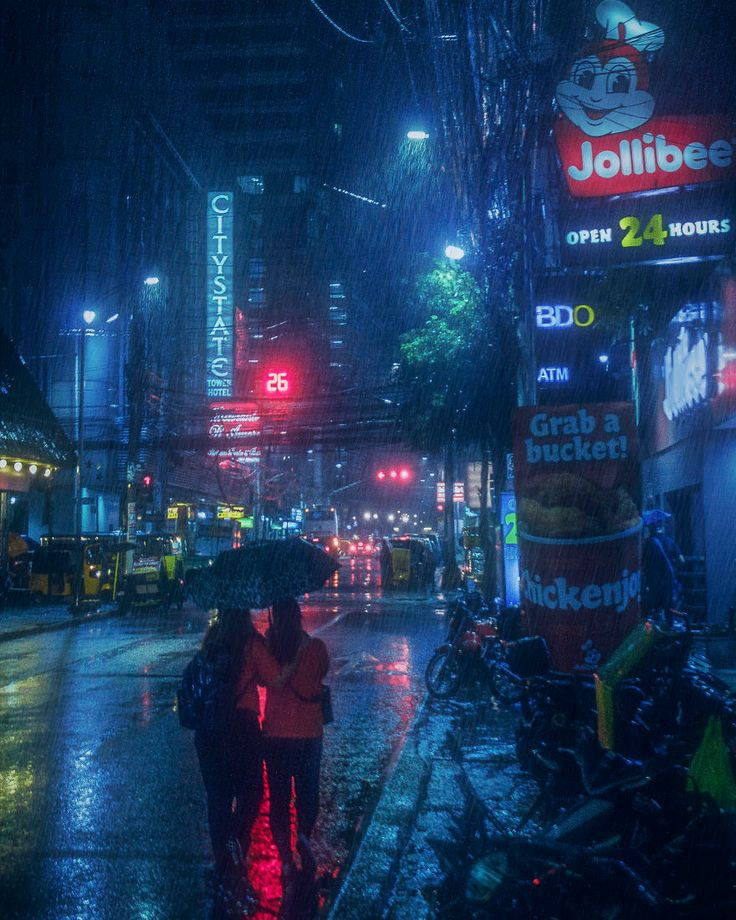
369	880
37	628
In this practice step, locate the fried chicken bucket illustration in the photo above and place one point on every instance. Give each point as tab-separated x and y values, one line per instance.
580	577
606	90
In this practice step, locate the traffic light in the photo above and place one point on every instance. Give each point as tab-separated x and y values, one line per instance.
145	497
395	474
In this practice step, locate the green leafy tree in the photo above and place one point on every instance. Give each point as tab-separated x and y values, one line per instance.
458	369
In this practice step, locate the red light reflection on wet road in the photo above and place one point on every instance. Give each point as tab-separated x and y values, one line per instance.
264	870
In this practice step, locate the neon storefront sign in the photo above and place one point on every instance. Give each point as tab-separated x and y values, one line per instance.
609	140
564	316
686	363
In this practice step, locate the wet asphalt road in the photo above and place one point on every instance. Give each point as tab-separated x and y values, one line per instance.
101	806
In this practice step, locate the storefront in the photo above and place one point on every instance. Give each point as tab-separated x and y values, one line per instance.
645	229
688	431
33	447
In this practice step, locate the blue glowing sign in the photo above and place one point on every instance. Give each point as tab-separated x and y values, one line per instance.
220	309
510	548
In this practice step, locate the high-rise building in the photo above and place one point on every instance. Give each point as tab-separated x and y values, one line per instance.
250	65
99	233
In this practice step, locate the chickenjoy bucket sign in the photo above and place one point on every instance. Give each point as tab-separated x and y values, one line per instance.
577	496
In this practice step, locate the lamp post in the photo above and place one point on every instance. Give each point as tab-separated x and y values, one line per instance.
89	317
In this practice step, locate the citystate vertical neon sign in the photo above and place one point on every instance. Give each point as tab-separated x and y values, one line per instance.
220	310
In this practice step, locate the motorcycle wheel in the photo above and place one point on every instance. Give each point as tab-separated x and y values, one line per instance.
506	686
443	674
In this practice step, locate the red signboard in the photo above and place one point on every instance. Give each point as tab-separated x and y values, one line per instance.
232	426
579	527
666	151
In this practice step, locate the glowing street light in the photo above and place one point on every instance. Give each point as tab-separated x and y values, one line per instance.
151	280
417	134
454	253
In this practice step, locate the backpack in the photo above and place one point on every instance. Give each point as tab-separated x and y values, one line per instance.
205	697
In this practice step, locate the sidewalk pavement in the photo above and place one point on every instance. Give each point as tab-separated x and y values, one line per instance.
453	753
17	622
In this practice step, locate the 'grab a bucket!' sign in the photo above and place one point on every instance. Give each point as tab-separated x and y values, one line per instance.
579	524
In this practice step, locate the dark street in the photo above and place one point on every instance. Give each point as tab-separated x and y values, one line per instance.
444	290
102	805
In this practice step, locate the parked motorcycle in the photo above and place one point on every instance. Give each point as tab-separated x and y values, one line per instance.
510	665
484	645
646	831
459	660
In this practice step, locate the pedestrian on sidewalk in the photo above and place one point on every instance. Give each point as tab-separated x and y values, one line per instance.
293	729
223	676
661	589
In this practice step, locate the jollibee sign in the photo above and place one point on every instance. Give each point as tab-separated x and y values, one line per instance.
609	140
579	527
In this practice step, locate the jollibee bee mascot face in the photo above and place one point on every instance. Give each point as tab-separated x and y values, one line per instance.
607	88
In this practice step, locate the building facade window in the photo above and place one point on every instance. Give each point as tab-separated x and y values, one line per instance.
251	185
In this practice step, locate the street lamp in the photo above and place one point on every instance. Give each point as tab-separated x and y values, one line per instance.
417	134
151	280
89	317
454	253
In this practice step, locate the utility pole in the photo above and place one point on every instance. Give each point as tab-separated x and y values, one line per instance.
78	483
257	503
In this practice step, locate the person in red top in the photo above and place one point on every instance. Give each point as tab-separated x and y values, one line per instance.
292	730
231	755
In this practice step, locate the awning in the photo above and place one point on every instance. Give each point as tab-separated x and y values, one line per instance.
29	431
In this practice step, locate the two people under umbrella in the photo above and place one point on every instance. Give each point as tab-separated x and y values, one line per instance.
232	747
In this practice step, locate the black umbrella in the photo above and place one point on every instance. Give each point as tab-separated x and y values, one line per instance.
261	573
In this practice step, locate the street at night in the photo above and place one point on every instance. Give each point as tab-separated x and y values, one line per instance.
367	460
102	808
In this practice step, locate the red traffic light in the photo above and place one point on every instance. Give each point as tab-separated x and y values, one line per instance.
400	474
147	481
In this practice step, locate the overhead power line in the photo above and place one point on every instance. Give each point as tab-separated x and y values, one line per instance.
395	15
335	25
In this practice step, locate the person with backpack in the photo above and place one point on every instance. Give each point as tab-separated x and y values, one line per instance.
292	729
219	700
